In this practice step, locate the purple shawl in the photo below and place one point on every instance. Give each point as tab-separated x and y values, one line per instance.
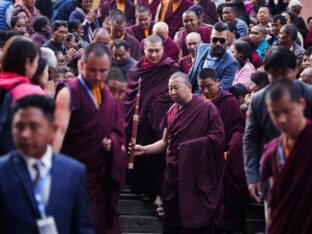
83	141
174	19
153	6
290	200
195	161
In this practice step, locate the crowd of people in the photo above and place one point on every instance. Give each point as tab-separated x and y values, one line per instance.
213	98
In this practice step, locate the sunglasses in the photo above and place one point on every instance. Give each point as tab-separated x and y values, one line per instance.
220	39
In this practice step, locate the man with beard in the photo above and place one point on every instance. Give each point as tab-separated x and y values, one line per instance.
190	22
215	56
192	41
154	69
143	27
193	141
231	214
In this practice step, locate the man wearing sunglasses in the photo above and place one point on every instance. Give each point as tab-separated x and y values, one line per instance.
215	56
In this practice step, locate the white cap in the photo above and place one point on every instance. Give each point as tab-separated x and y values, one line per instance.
293	3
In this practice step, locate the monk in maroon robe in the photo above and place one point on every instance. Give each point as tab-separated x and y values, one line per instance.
154	70
118	31
171	12
89	130
231	216
126	6
193	141
151	5
143	27
161	29
192	41
190	22
287	162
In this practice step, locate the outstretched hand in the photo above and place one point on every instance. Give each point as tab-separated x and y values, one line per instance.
138	149
107	144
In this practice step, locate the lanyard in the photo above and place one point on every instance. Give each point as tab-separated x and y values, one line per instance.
84	84
281	153
38	194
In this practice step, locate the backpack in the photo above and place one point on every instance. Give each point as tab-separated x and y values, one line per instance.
6	138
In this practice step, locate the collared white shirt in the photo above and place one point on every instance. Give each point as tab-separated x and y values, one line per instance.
45	164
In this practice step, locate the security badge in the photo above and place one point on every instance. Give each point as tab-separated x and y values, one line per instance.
47	226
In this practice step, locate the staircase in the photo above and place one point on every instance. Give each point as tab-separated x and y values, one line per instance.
137	216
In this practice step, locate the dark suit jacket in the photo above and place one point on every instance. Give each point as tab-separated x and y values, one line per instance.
260	129
67	201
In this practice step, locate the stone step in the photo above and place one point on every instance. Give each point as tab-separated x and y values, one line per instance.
131	196
255	226
255	211
140	224
134	207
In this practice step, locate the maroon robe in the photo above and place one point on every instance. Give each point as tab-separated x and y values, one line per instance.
83	141
153	6
194	165
231	215
174	19
137	32
154	103
204	32
171	49
210	12
186	63
129	12
290	196
135	47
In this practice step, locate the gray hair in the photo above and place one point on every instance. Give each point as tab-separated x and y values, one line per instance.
161	25
49	56
181	75
307	72
153	39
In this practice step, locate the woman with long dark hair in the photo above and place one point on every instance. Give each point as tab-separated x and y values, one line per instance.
242	53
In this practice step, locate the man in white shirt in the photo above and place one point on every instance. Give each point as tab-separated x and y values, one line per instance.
41	192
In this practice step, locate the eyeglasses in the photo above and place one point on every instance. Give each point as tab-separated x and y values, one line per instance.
220	39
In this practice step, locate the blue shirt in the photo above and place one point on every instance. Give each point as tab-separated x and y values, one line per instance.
262	49
242	27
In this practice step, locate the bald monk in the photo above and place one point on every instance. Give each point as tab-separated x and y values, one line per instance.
231	215
287	161
89	130
170	12
193	141
118	31
161	29
192	41
143	27
154	69
150	4
126	6
190	22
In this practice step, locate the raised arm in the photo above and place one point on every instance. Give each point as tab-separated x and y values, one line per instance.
62	117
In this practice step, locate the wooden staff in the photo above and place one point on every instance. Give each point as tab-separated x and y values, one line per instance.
135	124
